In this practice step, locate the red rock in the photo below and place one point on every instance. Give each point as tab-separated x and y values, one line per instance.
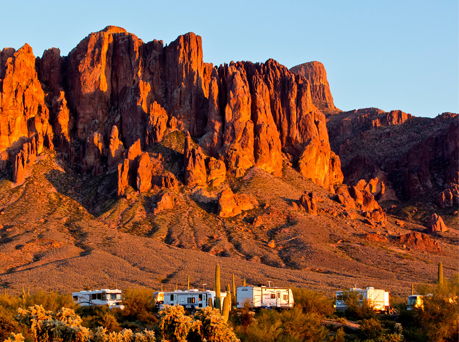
132	153
343	197
211	142
123	177
377	215
19	169
22	100
238	135
436	224
308	203
169	181
420	241
272	244
156	124
445	199
216	172
167	201
144	172
92	155
194	164
230	205
116	148
316	75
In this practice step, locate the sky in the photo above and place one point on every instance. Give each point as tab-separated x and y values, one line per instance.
387	54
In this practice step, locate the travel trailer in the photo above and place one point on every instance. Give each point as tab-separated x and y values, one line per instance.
112	298
191	299
378	299
264	297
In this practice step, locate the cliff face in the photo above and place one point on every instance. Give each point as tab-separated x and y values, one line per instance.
412	156
244	114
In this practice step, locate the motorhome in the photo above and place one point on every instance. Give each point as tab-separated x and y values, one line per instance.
378	299
191	299
111	298
264	297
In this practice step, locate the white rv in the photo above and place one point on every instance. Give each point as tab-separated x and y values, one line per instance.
112	298
378	299
192	299
264	297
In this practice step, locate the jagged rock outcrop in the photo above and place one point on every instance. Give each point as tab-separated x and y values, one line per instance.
410	155
156	124
436	224
230	204
448	197
167	201
419	241
92	155
315	73
116	149
216	174
23	112
144	172
123	177
194	164
308	203
19	169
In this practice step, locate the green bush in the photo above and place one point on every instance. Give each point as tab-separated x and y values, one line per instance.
313	302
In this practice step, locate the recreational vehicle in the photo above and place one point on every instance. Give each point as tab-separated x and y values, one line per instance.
264	297
378	299
191	299
112	298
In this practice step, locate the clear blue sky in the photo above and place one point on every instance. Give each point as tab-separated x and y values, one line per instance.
386	54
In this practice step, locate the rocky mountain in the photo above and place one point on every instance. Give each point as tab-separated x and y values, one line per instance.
137	163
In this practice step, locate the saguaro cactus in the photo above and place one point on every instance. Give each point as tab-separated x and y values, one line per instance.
218	304
440	273
234	290
211	304
188	278
226	307
244	283
412	289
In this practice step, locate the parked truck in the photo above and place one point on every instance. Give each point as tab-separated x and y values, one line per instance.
264	297
191	299
378	299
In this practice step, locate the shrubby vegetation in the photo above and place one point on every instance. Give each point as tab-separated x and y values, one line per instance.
43	317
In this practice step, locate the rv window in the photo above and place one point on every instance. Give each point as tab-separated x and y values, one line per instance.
200	297
172	297
104	296
118	296
75	297
94	296
99	296
285	297
278	294
273	296
190	300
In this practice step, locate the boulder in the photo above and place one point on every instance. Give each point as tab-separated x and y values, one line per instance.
167	201
216	172
419	241
308	203
230	204
436	224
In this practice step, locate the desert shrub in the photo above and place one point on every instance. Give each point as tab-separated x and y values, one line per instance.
95	316
204	325
287	326
313	302
357	308
139	309
52	301
439	319
7	324
213	328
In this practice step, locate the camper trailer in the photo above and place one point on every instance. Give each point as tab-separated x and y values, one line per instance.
191	299
378	299
264	297
112	298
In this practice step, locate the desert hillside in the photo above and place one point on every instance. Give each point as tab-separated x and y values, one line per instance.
135	164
